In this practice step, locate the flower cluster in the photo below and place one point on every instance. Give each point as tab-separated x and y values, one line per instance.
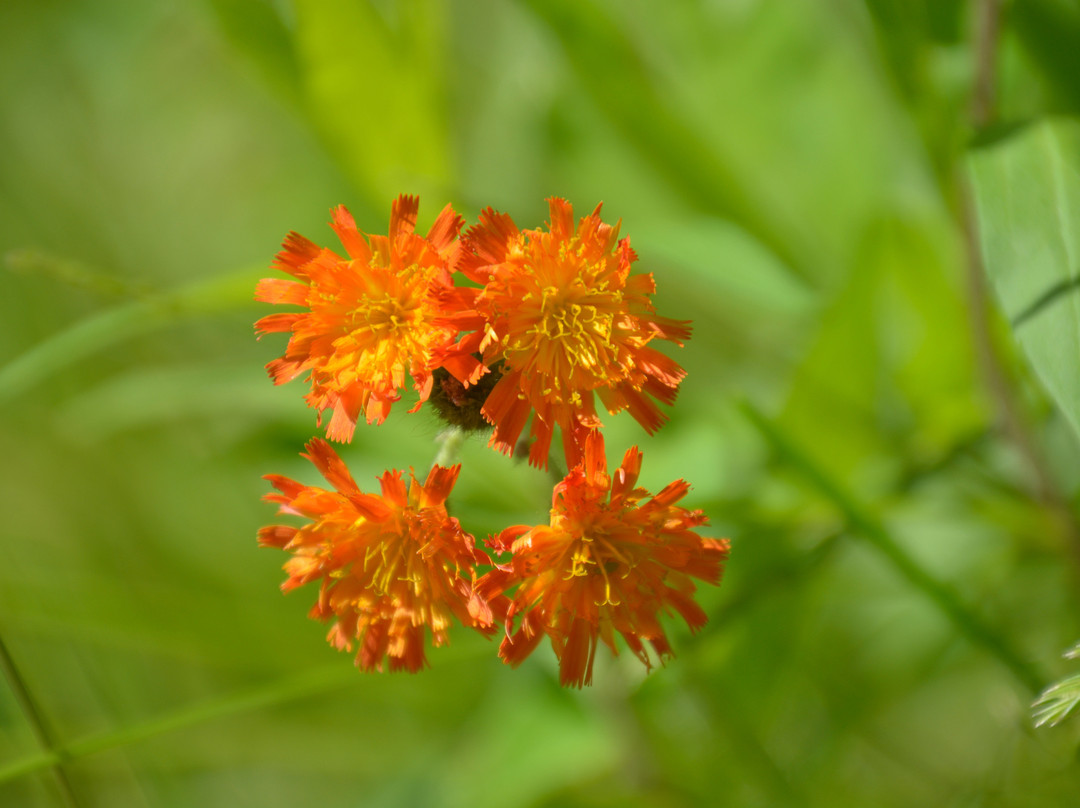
495	326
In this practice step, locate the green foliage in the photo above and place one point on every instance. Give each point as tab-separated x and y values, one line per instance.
1057	701
1027	192
373	77
903	556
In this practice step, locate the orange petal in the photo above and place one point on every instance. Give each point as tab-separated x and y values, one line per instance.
514	649
440	481
626	475
276	323
297	252
576	660
330	465
446	228
278	290
488	240
276	536
403	216
562	218
351	239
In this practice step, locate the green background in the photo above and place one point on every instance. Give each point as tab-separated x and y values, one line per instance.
896	468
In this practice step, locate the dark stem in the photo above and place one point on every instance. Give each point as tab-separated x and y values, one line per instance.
38	724
987	34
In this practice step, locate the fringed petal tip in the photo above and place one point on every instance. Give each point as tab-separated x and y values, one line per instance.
296	253
394	569
277	536
612	561
571	324
403	215
403	278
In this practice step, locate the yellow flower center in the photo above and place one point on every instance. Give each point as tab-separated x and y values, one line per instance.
386	330
395	313
595	555
567	336
391	568
389	316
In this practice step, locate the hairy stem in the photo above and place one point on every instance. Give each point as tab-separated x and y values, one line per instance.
450	441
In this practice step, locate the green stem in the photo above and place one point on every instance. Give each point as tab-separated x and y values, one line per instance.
450	441
40	727
864	524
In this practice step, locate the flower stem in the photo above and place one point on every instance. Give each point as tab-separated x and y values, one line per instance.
450	441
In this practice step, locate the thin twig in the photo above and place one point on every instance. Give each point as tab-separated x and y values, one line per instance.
987	35
38	724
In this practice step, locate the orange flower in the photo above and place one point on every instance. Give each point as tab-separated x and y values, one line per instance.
610	561
370	317
563	312
389	565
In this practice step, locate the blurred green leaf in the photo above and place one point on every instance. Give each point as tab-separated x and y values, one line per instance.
867	525
890	370
912	36
166	142
1027	198
723	262
617	78
907	21
298	686
1049	30
122	322
258	31
376	87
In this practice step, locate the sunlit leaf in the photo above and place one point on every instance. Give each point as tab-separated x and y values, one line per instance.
375	85
1027	197
890	369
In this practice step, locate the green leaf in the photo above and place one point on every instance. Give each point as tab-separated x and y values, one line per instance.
616	75
110	326
1047	30
1027	199
257	30
1057	701
866	524
376	87
889	371
284	690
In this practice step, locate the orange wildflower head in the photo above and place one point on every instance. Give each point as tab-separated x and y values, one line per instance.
612	559
560	308
390	567
369	318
